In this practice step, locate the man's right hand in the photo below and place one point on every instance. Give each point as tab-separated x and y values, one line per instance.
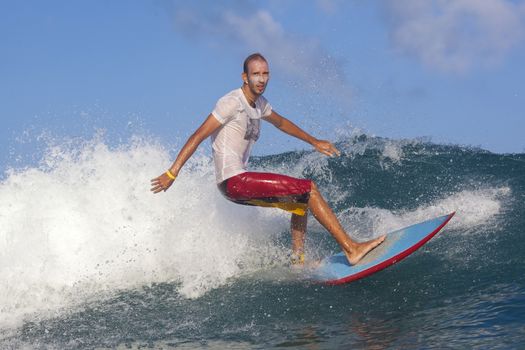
163	182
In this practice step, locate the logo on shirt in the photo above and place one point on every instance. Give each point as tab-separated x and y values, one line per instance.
252	130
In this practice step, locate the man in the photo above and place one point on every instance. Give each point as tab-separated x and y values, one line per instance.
234	127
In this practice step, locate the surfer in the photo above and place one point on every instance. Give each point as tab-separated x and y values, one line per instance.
234	127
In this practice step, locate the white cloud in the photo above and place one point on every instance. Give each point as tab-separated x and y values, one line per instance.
250	29
329	6
455	35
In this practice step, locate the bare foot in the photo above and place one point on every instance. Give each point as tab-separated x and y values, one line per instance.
361	249
308	265
298	261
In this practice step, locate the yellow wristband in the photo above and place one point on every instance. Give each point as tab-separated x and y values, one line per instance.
170	175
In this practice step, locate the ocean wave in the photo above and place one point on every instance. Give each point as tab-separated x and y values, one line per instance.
83	224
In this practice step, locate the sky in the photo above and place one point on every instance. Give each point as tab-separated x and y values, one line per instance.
450	71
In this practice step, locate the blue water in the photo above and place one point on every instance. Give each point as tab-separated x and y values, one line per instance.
90	259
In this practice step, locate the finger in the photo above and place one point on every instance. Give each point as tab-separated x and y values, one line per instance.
156	188
332	147
324	150
328	151
333	151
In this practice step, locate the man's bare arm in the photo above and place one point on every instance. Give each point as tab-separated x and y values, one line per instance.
163	182
290	128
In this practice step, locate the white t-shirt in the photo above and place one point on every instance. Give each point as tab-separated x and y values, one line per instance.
233	141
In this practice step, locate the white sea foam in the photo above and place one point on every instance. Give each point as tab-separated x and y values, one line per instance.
474	209
84	223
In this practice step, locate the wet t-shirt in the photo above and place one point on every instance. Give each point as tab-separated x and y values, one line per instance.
233	141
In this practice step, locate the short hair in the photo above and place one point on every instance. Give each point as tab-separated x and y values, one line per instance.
253	57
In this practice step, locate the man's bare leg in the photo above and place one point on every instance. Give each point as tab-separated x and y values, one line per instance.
298	228
354	251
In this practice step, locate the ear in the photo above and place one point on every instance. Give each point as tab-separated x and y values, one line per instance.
244	77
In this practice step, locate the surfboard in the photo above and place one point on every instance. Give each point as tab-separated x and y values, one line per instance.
397	245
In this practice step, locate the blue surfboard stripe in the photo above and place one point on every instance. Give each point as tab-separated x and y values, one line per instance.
397	245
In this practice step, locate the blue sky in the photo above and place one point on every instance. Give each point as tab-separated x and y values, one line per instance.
449	70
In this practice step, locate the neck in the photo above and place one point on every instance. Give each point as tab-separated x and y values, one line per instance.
250	96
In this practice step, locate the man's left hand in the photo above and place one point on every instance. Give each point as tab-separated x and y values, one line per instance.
326	148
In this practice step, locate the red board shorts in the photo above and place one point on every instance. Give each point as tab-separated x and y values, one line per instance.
268	190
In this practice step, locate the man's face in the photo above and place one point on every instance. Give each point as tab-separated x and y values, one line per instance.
257	76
